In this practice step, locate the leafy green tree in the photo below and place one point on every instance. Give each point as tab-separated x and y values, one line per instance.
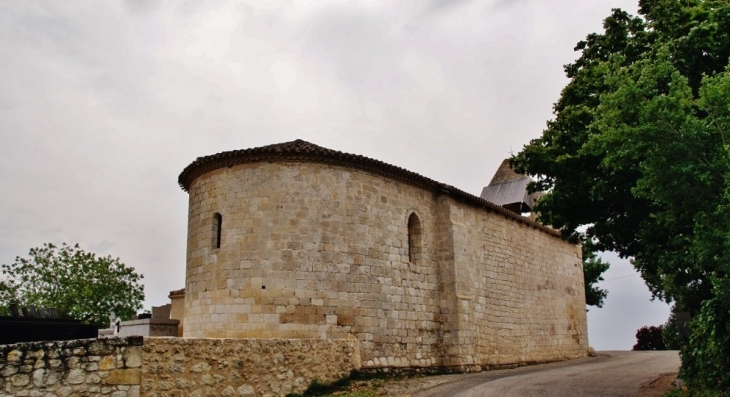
638	153
78	284
593	268
675	332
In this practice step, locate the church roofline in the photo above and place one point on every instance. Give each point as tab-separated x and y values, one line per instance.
303	151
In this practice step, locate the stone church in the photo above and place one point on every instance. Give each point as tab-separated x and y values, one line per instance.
294	240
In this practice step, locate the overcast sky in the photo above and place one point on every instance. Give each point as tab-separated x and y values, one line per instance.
103	103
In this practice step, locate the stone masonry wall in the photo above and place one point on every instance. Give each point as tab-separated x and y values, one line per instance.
311	250
520	293
132	367
243	367
86	367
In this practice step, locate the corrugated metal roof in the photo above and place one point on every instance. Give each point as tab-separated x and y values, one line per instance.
510	192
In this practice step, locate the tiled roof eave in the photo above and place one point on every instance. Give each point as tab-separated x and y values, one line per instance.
300	151
488	205
218	161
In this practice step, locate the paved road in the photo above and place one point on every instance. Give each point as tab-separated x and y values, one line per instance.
612	373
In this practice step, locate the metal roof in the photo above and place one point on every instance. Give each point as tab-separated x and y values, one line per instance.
510	192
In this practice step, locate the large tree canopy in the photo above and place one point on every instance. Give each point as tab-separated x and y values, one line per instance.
77	283
639	153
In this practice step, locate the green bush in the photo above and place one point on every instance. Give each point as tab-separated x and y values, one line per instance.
706	358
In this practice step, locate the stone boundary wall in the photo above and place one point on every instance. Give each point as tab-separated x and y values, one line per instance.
83	367
133	366
243	367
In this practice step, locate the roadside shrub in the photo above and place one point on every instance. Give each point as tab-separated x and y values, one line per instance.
706	358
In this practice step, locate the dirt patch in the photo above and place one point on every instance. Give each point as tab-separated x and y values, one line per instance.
658	386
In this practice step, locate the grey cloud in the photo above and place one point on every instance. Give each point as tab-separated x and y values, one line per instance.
499	4
356	45
437	6
103	103
141	6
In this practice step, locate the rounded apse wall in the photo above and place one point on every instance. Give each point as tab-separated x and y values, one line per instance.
301	249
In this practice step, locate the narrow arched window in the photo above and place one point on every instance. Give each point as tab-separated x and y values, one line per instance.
217	228
414	238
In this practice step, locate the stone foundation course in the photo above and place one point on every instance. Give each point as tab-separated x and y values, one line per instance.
136	366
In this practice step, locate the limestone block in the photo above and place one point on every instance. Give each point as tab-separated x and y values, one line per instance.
75	376
133	391
107	363
8	370
43	377
133	357
124	377
201	367
19	380
14	357
246	390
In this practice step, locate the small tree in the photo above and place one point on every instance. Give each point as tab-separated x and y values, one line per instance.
78	284
675	332
649	338
593	269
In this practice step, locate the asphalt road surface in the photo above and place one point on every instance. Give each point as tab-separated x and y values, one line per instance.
612	373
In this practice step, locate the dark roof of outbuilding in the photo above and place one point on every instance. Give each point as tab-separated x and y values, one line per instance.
302	151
